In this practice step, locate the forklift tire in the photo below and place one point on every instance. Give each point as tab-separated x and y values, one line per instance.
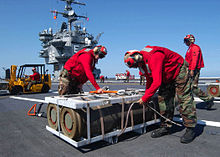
16	90
45	88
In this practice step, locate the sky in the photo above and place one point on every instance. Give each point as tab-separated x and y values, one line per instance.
127	25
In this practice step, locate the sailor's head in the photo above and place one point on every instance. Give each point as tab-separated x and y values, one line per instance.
34	69
189	39
132	58
100	52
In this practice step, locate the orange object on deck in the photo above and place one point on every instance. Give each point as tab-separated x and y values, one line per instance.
111	91
34	113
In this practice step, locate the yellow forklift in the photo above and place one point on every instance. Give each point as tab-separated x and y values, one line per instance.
18	84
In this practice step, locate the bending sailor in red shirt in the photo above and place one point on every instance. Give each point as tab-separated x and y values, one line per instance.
78	70
167	71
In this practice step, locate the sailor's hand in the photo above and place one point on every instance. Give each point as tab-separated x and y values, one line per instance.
141	102
191	73
100	90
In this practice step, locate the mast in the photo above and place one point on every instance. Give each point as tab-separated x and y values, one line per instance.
70	13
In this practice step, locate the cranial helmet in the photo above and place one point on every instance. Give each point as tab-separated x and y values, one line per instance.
100	50
189	38
132	58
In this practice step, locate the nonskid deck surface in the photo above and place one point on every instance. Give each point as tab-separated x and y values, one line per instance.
22	135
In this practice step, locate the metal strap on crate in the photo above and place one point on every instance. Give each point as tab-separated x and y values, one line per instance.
88	122
122	112
101	117
101	121
132	118
126	122
144	115
155	114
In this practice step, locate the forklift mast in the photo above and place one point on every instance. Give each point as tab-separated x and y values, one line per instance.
13	72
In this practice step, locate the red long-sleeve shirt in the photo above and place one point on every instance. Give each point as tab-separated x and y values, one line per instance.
160	65
102	77
35	76
140	73
128	73
81	65
194	57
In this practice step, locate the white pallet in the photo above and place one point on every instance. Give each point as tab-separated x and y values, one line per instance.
76	102
110	137
213	83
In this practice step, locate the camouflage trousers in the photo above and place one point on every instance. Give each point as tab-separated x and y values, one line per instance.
102	80
127	79
196	90
31	83
68	85
142	80
181	87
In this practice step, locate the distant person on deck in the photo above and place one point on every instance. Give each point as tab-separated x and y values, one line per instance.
142	80
195	60
102	79
34	78
127	76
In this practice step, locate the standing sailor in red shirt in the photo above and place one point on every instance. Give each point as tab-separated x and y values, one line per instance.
167	71
127	76
195	60
141	78
102	79
78	70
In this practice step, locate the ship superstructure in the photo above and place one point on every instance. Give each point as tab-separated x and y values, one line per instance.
70	38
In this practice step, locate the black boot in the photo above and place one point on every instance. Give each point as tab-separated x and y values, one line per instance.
210	103
188	136
160	132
